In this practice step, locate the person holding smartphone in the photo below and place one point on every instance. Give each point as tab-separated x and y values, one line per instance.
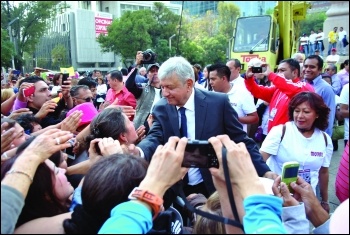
40	100
303	139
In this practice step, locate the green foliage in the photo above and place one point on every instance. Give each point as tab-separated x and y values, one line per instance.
228	13
59	55
141	30
192	52
7	49
215	49
312	22
30	26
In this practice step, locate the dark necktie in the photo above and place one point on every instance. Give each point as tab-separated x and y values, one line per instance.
183	133
183	128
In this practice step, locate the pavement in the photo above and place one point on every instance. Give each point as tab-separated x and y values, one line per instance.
333	169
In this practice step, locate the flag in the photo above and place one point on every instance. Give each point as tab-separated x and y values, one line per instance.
69	70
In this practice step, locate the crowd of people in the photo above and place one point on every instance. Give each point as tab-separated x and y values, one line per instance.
312	44
105	153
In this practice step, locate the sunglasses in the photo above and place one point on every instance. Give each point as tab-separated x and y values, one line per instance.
89	99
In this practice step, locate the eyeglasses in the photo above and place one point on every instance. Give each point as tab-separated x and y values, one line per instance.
89	99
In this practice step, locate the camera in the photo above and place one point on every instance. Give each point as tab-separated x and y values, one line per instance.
200	154
257	69
149	57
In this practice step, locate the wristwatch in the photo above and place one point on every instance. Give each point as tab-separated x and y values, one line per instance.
154	201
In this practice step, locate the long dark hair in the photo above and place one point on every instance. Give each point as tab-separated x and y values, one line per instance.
107	184
41	200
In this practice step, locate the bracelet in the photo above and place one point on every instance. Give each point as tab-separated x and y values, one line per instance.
325	202
4	156
13	171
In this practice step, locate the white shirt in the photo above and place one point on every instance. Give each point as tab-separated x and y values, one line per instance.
242	102
312	153
239	81
156	97
101	90
341	35
305	39
332	58
312	38
55	89
344	99
321	36
194	175
265	117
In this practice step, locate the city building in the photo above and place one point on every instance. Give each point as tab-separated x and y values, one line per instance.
248	8
77	29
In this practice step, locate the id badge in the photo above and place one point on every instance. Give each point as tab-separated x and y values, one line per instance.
305	174
272	114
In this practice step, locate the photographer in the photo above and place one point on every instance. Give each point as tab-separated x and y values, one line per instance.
147	94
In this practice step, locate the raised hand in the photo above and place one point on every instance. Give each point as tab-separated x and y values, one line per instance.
72	122
14	114
7	136
48	143
48	107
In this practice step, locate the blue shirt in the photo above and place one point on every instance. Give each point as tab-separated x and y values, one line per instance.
326	92
128	218
263	215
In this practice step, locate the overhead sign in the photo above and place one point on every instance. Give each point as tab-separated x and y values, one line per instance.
102	20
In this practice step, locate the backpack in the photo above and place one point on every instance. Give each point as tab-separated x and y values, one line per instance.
284	131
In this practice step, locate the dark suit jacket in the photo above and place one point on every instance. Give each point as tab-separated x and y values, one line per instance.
214	116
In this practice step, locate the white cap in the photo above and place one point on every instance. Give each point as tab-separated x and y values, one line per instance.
255	62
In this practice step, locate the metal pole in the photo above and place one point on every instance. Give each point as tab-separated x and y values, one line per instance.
170	43
11	39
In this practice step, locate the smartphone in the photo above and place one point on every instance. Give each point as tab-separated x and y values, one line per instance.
290	173
200	154
28	91
65	78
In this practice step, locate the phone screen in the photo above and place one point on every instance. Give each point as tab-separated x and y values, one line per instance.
200	155
28	91
65	78
290	174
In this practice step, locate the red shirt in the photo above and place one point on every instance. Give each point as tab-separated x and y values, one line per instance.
125	97
278	95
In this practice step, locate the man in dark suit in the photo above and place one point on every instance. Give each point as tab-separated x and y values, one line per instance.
208	114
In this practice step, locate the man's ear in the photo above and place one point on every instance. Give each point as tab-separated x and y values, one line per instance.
189	83
122	138
30	98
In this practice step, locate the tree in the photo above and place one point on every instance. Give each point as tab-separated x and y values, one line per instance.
140	30
32	23
228	13
128	34
7	49
313	22
215	49
59	56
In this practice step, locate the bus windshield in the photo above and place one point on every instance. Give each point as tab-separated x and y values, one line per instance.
252	33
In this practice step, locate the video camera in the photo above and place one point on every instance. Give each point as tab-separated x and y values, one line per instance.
149	57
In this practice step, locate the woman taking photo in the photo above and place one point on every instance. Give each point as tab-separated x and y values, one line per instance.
303	139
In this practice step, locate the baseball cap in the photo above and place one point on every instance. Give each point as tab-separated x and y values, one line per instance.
333	49
89	112
152	65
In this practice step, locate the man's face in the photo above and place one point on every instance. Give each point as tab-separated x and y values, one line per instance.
335	29
216	82
41	94
234	71
286	71
113	83
142	72
153	75
311	69
93	91
175	91
98	74
83	97
329	70
130	134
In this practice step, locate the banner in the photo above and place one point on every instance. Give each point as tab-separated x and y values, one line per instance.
69	70
102	20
